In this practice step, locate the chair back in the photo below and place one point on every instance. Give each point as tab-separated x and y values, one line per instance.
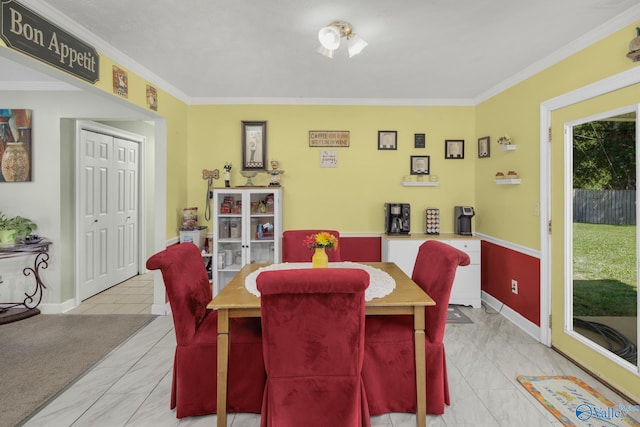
187	285
294	250
434	271
313	345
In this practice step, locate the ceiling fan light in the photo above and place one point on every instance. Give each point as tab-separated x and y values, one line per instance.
324	51
356	45
329	37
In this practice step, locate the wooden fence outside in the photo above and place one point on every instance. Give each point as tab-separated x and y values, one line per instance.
617	207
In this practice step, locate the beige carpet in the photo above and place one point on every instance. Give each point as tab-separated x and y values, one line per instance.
42	355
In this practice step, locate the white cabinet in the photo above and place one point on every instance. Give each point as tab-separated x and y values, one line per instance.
247	225
466	286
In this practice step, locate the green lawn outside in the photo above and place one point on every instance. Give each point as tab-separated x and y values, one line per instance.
604	270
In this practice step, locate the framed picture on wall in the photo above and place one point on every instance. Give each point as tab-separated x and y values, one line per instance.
387	140
483	147
420	165
454	149
254	145
16	145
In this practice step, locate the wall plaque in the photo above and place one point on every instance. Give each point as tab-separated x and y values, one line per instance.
29	33
328	138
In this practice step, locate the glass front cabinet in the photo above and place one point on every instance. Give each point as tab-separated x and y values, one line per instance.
247	225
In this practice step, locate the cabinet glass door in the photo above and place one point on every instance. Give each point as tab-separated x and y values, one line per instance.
262	228
228	239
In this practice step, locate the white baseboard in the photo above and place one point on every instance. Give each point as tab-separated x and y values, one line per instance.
63	307
515	317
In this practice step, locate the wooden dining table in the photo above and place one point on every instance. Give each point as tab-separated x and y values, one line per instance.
407	298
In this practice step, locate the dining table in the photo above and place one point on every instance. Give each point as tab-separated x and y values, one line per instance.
234	300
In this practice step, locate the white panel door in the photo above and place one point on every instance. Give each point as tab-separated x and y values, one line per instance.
126	209
96	151
108	212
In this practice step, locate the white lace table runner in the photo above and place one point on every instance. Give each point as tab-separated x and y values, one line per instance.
380	283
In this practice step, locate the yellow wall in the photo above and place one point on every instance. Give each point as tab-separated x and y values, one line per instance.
510	212
350	197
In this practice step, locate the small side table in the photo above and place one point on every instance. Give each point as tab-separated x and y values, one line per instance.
11	311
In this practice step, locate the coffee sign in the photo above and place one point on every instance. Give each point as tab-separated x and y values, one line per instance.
27	32
328	138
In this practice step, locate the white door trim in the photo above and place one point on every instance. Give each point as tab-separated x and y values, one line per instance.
601	87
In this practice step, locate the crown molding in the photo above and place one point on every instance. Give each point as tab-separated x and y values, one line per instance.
614	24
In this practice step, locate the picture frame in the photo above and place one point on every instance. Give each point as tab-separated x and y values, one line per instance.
16	143
387	140
484	148
254	145
419	140
420	165
454	149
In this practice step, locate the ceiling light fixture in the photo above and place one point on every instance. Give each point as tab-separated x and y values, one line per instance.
331	35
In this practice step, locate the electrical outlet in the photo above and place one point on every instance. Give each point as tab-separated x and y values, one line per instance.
514	286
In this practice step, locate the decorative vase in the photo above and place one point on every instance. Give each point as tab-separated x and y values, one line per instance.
15	162
320	259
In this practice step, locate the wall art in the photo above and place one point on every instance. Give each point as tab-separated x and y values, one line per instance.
454	149
387	140
254	145
420	165
484	150
15	145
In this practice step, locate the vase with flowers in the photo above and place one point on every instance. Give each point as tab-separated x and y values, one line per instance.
320	242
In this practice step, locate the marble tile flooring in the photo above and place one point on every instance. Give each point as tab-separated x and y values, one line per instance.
134	296
131	386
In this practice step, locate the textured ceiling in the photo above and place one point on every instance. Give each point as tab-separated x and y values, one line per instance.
455	50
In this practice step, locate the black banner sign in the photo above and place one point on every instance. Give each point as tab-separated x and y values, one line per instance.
26	31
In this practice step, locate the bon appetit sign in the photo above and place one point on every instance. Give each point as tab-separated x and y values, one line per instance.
26	31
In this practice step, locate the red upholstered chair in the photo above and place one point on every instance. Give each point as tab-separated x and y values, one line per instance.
194	367
313	342
294	250
389	364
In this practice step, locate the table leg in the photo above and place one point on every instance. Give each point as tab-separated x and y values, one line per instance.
223	365
421	375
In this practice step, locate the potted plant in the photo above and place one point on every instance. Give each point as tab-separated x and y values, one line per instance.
14	227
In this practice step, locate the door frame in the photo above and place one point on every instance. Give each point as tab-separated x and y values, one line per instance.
92	126
601	87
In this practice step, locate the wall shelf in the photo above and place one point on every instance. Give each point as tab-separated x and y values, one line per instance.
508	147
508	181
419	184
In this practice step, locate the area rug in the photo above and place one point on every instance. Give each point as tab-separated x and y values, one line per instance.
13	314
41	355
454	315
574	403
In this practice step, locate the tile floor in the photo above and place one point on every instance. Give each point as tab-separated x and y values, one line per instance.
135	296
130	387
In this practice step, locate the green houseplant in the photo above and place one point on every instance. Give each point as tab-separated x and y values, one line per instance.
14	227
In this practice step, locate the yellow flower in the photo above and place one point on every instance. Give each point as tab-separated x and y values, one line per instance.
321	240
